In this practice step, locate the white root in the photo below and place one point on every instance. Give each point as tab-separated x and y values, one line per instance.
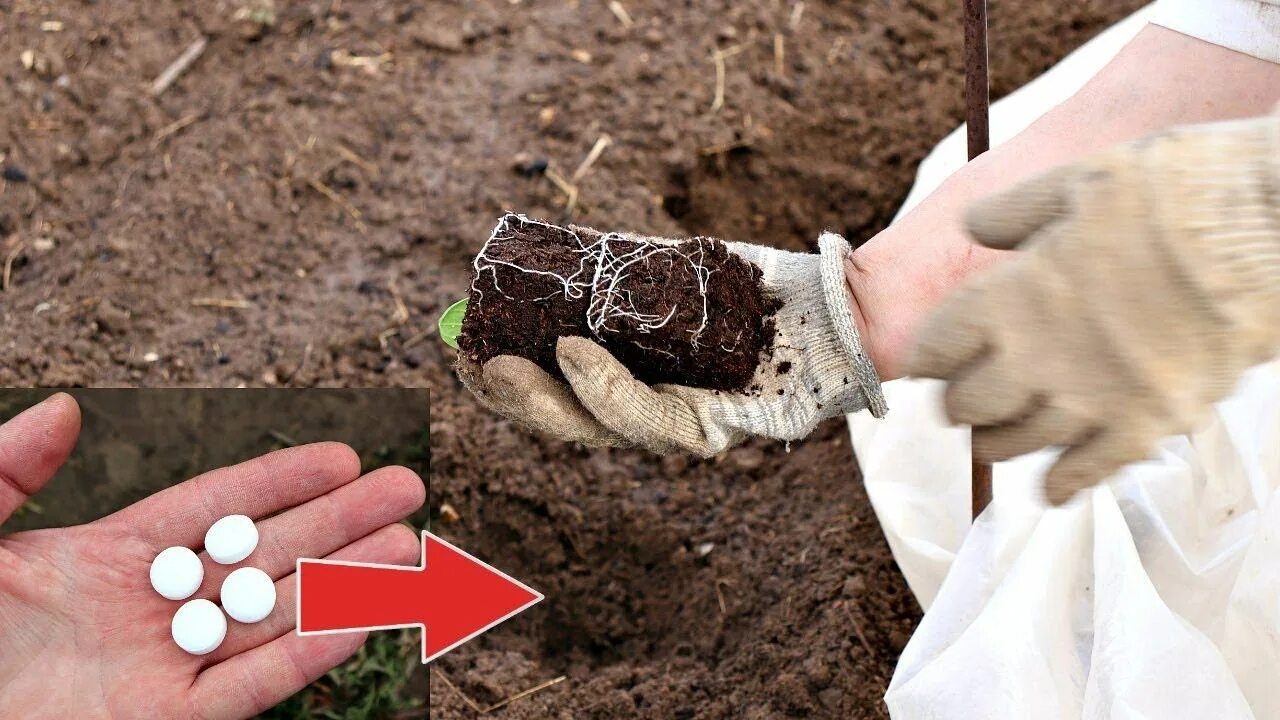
603	266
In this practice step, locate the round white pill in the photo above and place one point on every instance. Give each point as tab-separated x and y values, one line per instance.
248	595
176	573
199	627
231	539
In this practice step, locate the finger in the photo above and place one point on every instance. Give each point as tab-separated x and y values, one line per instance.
254	681
1048	426
988	392
33	445
181	515
1094	460
524	392
325	524
1003	221
659	422
394	544
951	338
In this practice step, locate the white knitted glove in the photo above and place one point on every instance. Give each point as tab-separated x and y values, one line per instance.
816	370
1150	282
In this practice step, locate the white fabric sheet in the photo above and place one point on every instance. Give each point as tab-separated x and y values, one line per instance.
1248	26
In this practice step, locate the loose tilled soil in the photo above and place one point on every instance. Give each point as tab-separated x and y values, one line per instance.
301	204
692	314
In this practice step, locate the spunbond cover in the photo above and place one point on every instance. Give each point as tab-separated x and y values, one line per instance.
1154	596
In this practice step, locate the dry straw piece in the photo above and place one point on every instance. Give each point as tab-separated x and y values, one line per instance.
179	66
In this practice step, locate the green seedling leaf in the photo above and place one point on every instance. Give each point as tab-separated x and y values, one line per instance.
451	323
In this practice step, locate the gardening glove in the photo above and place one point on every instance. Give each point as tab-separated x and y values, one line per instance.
1150	282
816	369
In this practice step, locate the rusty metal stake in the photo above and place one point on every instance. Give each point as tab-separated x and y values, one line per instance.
977	84
977	97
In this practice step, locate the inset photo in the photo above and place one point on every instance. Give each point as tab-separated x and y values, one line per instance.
150	540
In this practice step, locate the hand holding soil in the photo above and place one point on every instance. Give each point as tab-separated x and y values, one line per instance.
566	326
85	634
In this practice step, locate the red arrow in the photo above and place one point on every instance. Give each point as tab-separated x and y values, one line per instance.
452	597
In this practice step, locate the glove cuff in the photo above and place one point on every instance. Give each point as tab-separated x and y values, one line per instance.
833	250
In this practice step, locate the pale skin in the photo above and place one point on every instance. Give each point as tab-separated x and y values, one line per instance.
84	634
1160	79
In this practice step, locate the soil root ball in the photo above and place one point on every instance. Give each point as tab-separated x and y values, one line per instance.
687	312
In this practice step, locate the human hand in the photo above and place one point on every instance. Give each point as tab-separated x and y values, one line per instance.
84	634
1150	282
816	370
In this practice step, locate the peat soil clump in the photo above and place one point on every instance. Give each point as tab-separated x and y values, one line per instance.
688	312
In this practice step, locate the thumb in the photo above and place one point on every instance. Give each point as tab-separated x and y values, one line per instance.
524	392
33	445
657	421
1005	220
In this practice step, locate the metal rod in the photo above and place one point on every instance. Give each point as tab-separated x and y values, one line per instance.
977	97
977	86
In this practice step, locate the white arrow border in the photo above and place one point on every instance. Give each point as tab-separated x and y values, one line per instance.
538	597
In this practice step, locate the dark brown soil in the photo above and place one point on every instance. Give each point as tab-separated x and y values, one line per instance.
332	175
693	314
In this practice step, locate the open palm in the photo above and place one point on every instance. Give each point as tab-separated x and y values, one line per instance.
83	634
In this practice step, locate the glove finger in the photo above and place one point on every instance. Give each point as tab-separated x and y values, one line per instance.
1044	427
1005	220
659	422
987	392
951	338
518	389
1095	459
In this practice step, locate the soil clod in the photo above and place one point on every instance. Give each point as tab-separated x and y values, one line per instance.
690	312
